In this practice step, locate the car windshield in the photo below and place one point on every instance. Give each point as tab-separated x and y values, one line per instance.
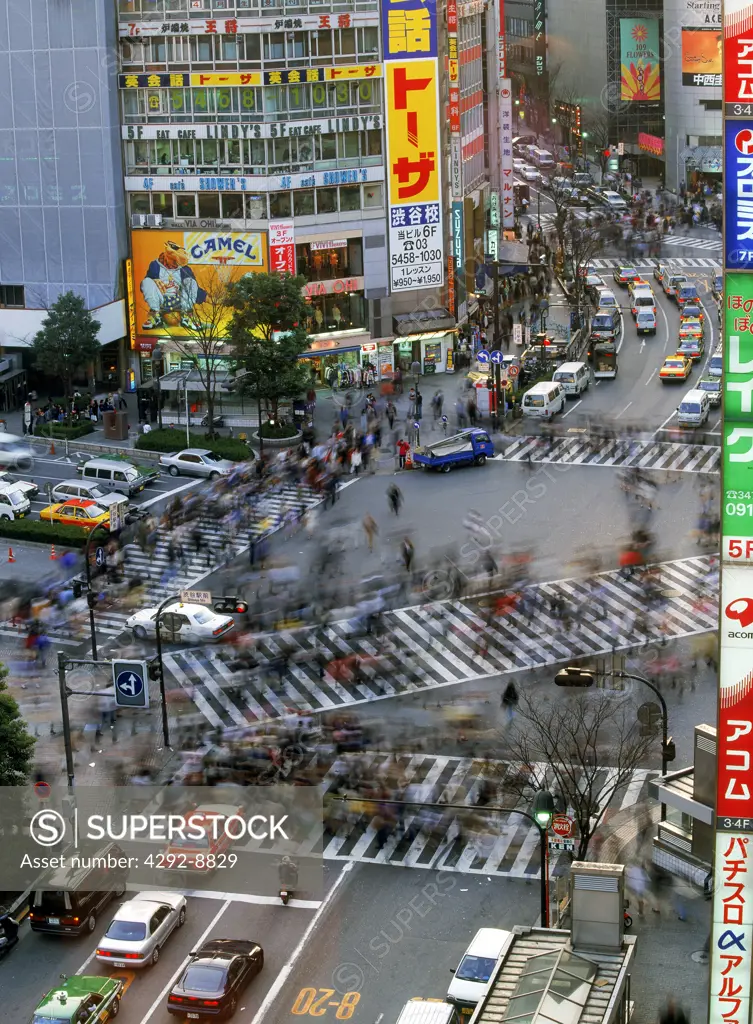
194	843
211	457
536	401
566	378
41	1018
674	364
126	931
17	497
690	311
203	616
51	901
710	385
646	318
96	510
475	968
204	979
690	407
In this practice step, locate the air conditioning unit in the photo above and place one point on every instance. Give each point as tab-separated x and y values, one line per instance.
153	220
138	220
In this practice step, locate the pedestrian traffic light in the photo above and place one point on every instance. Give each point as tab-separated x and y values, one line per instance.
91	600
77	588
231	606
489	384
574	677
153	670
670	751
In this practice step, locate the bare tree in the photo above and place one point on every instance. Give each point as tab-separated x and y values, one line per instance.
204	334
583	748
596	126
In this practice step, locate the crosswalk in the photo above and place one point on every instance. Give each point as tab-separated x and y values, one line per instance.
427	647
478	841
680	263
578	450
712	244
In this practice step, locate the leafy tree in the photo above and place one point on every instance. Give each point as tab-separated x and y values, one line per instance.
67	342
268	334
16	746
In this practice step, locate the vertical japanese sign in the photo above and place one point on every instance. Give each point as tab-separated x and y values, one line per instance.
731	958
502	44
409	29
282	247
539	36
505	154
453	79
131	300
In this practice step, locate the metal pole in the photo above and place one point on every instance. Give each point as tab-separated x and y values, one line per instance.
497	342
664	723
89	594
158	633
188	425
538	208
66	720
159	403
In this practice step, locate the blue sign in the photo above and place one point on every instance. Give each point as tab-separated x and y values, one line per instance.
497	356
482	356
458	239
738	194
409	29
100	557
129	684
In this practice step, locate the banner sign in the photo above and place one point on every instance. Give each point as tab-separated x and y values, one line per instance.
292	76
131	300
639	48
253	130
506	154
702	56
738	58
502	43
458	241
253	184
539	36
242	26
413	144
453	104
738	194
282	247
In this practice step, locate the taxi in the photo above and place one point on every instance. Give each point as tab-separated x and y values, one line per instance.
675	367
692	311
691	329
692	347
76	512
638	282
623	275
81	1000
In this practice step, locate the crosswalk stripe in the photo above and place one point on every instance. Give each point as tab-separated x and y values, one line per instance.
666	455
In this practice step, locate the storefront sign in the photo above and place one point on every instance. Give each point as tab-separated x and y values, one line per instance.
242	26
131	301
732	929
291	76
738	58
385	362
451	285
282	247
494	208
738	193
539	36
650	144
639	50
456	167
275	130
501	43
505	153
737	450
340	286
273	183
413	144
492	243
458	240
336	243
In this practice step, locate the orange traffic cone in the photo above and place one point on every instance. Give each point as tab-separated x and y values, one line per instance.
53	556
10	555
408	461
52	447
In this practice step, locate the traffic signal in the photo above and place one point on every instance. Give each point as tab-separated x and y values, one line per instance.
489	383
670	751
77	588
231	606
574	677
152	670
91	600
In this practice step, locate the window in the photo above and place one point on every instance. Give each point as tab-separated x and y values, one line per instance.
140	202
298	46
232	205
321	43
256	206
326	200
132	51
156	52
274	46
372	195
299	97
345	42
228	48
350	197
280	153
303	202
257	157
279	204
253	47
178	49
326	148
209	205
185	205
162	202
201	49
12	295
275	99
368	41
348	146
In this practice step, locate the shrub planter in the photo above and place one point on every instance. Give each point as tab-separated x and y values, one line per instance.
43	532
174	440
287	440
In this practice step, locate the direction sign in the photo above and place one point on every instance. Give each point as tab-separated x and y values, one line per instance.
496	356
130	682
100	557
482	356
195	597
562	825
561	845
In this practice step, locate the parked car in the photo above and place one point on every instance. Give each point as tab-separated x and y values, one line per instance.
140	928
197	462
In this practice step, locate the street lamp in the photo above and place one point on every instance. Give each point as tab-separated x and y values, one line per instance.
579	677
89	595
157	357
543	808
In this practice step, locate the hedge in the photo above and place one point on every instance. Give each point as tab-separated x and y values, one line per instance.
44	532
167	440
64	431
278	431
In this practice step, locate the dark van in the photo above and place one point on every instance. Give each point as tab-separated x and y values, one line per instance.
605	325
74	899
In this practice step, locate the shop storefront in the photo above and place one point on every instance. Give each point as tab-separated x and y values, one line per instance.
337	361
425	337
336	305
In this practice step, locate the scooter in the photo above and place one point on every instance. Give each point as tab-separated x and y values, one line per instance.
8	934
284	896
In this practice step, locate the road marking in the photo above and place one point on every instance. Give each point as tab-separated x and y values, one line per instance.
624	410
715	425
234	897
579	402
166	494
287	970
651	376
671	416
199	942
666	323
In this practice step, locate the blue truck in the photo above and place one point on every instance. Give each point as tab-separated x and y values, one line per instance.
472	445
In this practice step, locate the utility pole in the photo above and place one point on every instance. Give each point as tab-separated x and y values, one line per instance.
65	719
497	342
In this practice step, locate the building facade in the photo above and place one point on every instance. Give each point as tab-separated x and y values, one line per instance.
62	212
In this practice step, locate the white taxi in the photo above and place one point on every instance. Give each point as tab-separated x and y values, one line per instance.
180	622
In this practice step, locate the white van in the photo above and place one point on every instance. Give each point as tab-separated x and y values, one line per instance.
574	378
716	364
13	502
643	299
428	1011
474	971
543	158
694	409
544	399
614	201
607	300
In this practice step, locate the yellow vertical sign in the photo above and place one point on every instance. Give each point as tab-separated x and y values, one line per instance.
131	303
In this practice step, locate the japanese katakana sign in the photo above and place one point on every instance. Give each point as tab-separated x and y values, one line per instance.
505	153
737	398
287	76
413	144
243	26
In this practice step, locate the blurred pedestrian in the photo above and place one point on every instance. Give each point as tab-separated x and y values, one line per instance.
407	553
370	529
395	498
402	452
509	701
672	1013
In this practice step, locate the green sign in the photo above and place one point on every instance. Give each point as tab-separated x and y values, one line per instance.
737	403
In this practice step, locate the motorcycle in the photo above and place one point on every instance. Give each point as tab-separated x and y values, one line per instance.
217	421
8	934
284	896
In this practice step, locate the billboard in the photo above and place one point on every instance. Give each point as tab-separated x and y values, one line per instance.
737	500
177	272
702	56
738	57
282	247
738	194
639	59
506	154
413	144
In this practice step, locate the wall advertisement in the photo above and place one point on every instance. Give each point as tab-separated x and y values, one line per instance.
639	59
539	36
506	154
413	144
282	247
179	276
738	58
737	399
738	193
453	101
702	56
240	26
292	76
253	130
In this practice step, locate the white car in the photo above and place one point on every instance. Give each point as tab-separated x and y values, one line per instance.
529	173
518	165
86	491
29	490
614	201
140	928
182	622
197	462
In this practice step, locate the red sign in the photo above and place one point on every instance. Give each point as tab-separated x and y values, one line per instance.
735	727
649	144
452	15
562	825
282	247
145	344
738	54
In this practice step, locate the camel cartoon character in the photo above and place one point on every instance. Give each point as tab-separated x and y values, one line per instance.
170	289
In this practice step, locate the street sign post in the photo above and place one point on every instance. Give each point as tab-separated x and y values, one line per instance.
196	597
560	837
130	683
117	516
482	356
496	356
100	557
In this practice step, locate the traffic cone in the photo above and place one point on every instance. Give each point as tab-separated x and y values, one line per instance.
53	556
52	447
408	461
10	555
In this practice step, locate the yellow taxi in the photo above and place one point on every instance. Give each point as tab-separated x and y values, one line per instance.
691	329
76	512
692	346
638	282
675	367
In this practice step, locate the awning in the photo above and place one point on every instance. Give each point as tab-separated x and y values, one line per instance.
189	380
422	320
705	158
349	341
10	375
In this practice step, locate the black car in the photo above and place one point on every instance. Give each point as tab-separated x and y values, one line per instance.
214	979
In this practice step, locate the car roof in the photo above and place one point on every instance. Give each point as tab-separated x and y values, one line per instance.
207	810
569	367
194	451
191	609
79	502
694	393
136	910
716	381
488	942
66	999
221	948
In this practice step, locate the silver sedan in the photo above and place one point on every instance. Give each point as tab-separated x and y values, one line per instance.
140	928
197	462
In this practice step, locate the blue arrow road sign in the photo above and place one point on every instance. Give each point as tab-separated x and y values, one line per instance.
131	686
482	356
496	356
100	557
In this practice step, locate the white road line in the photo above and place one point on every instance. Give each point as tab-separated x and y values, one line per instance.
287	970
624	410
235	897
572	407
651	376
671	416
666	323
199	942
177	490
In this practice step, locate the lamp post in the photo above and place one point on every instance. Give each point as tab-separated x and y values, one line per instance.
89	594
157	357
160	664
578	677
540	815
